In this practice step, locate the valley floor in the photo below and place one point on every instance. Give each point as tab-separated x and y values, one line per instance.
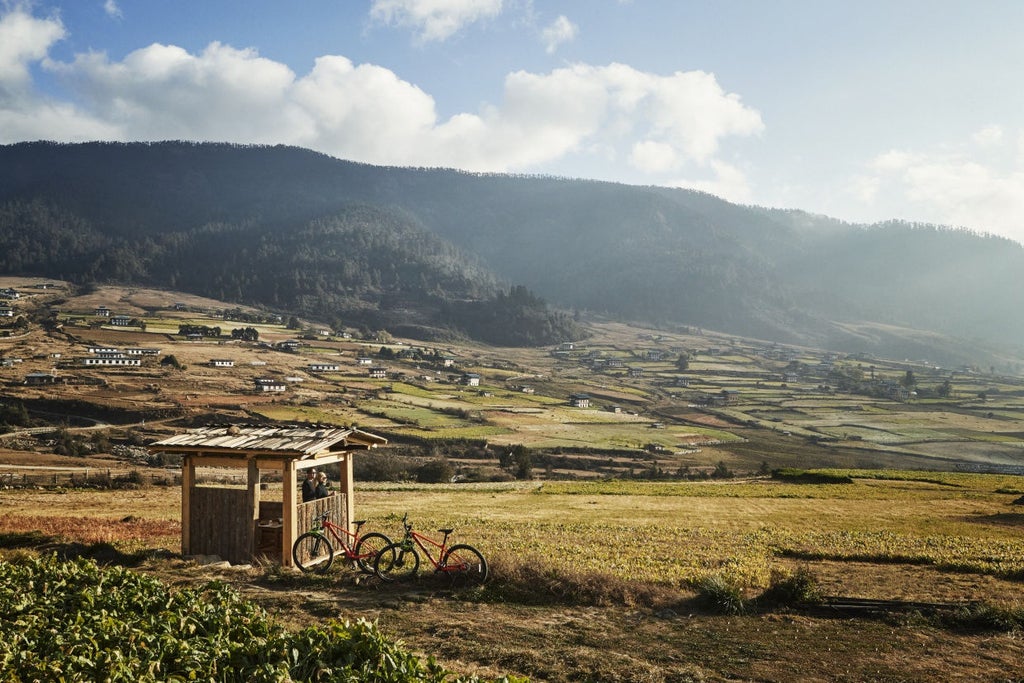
667	636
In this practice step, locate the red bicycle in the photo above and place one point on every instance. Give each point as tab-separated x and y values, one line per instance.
314	552
400	561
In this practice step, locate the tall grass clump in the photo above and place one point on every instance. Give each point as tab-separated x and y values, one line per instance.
720	594
534	580
984	617
791	589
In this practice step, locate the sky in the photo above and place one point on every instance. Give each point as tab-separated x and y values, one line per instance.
864	111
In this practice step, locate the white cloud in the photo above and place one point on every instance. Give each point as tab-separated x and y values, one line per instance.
637	122
367	113
729	183
24	39
654	157
112	9
24	114
434	20
988	136
560	31
978	184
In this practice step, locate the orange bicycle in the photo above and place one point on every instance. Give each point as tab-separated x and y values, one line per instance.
400	561
314	552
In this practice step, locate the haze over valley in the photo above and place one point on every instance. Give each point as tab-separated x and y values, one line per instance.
436	253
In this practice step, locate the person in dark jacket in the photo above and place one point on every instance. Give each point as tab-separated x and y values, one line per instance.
321	485
309	486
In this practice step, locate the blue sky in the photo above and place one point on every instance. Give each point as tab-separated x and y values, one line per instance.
861	110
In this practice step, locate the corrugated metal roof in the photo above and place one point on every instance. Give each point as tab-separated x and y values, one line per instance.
300	440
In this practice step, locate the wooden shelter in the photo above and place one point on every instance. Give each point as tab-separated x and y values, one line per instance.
234	523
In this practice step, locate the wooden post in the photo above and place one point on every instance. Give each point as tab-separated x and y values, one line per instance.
289	522
253	502
188	478
347	484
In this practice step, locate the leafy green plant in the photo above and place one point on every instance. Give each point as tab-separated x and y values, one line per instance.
78	621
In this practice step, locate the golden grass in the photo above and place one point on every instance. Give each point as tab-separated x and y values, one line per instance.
671	534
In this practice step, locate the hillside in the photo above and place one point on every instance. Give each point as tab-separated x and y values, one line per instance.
413	249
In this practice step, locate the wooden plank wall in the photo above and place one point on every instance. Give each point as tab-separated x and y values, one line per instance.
219	526
216	527
307	512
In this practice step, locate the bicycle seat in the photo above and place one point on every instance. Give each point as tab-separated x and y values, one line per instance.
360	522
445	531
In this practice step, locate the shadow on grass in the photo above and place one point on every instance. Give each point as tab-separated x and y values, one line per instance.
102	553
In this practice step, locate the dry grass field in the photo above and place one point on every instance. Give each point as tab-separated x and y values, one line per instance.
600	581
596	574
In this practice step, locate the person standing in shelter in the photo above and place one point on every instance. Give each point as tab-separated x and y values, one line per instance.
309	486
321	485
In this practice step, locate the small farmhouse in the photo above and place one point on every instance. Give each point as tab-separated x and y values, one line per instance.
142	351
222	363
114	359
378	372
471	379
104	350
579	400
40	378
266	384
324	367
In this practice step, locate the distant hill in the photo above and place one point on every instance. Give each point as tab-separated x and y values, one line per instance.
439	251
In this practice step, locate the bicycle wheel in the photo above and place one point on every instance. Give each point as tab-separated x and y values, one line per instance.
312	552
367	549
464	565
395	563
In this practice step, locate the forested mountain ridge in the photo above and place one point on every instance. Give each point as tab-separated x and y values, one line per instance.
294	229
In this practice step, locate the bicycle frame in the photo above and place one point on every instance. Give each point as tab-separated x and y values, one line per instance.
347	541
314	550
400	561
423	541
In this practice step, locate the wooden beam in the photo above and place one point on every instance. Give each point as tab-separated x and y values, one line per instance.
188	478
347	485
289	521
265	463
253	502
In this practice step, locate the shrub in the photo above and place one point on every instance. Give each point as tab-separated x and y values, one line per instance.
791	589
435	472
380	467
721	595
798	476
982	617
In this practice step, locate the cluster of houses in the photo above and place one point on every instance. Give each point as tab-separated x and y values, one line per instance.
119	320
8	294
113	356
